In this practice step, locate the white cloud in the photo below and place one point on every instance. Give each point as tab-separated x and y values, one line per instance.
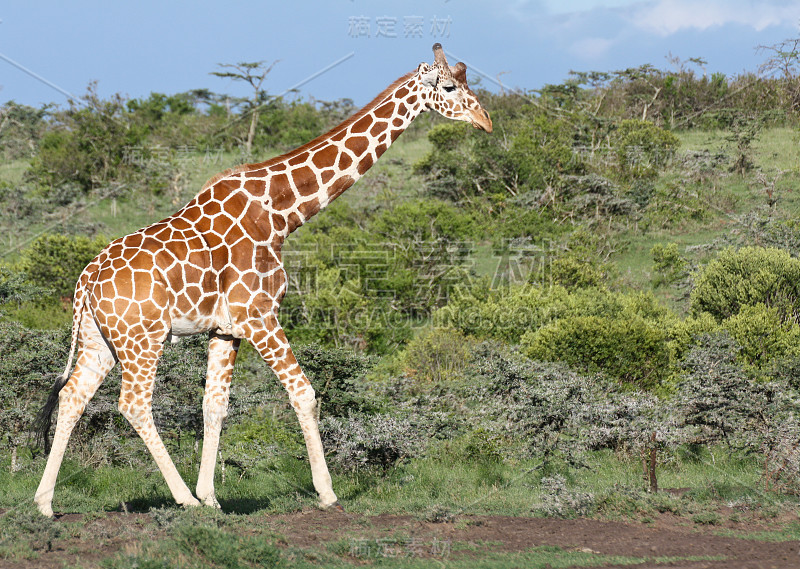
591	48
666	17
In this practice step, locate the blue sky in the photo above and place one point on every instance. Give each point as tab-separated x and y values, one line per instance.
135	48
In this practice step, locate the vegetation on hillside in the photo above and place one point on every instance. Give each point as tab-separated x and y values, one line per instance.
614	269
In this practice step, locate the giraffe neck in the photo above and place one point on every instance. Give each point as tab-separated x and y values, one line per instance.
300	183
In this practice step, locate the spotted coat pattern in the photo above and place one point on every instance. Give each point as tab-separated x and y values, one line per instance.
215	266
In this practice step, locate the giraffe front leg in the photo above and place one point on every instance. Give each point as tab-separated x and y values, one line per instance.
270	341
221	357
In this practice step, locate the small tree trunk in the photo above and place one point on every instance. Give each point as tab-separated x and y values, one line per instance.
652	466
14	466
251	134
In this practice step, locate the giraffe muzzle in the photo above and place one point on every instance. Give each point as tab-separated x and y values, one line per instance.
481	120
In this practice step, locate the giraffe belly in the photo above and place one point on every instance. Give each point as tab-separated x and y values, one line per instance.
186	326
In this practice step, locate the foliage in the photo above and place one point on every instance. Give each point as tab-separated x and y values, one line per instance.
367	441
669	266
89	145
29	362
763	334
642	148
745	277
21	128
436	354
336	376
55	261
15	287
630	350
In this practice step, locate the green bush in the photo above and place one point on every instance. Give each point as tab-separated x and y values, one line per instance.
632	351
745	277
763	334
55	261
642	148
437	354
88	146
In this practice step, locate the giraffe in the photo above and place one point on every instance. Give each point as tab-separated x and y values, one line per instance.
215	267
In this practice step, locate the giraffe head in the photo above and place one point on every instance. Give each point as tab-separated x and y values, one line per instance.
449	94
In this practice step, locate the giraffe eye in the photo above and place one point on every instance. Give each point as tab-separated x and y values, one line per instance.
449	88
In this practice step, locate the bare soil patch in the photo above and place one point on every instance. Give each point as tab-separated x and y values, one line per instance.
364	536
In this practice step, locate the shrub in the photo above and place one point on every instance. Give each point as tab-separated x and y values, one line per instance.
668	264
558	501
437	354
763	335
336	376
29	362
87	146
55	261
746	277
367	441
632	351
642	148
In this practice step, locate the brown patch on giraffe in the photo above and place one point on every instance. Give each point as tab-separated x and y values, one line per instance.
380	149
402	110
326	176
326	157
411	100
305	180
339	136
124	279
175	277
294	221
345	161
280	192
397	122
260	173
301	158
396	133
339	185
256	222
401	92
206	305
242	258
255	187
309	208
234	233
278	222
378	128
361	125
133	240
357	145
212	208
179	249
385	110
365	164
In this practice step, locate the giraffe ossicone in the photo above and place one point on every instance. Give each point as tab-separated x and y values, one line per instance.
215	267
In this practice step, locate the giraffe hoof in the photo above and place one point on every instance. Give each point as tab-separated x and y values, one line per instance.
190	503
211	502
335	507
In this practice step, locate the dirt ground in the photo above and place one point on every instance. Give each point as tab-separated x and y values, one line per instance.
371	537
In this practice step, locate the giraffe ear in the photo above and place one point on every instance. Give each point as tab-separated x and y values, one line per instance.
430	77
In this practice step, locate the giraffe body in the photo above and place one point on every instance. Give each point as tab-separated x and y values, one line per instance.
215	266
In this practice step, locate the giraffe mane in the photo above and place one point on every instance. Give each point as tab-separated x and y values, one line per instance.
380	98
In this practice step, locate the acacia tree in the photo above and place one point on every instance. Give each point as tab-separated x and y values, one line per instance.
254	74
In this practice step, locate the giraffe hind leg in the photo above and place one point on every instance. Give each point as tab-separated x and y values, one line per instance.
94	362
135	404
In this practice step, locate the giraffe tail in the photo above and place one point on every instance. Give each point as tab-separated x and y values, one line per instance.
44	419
